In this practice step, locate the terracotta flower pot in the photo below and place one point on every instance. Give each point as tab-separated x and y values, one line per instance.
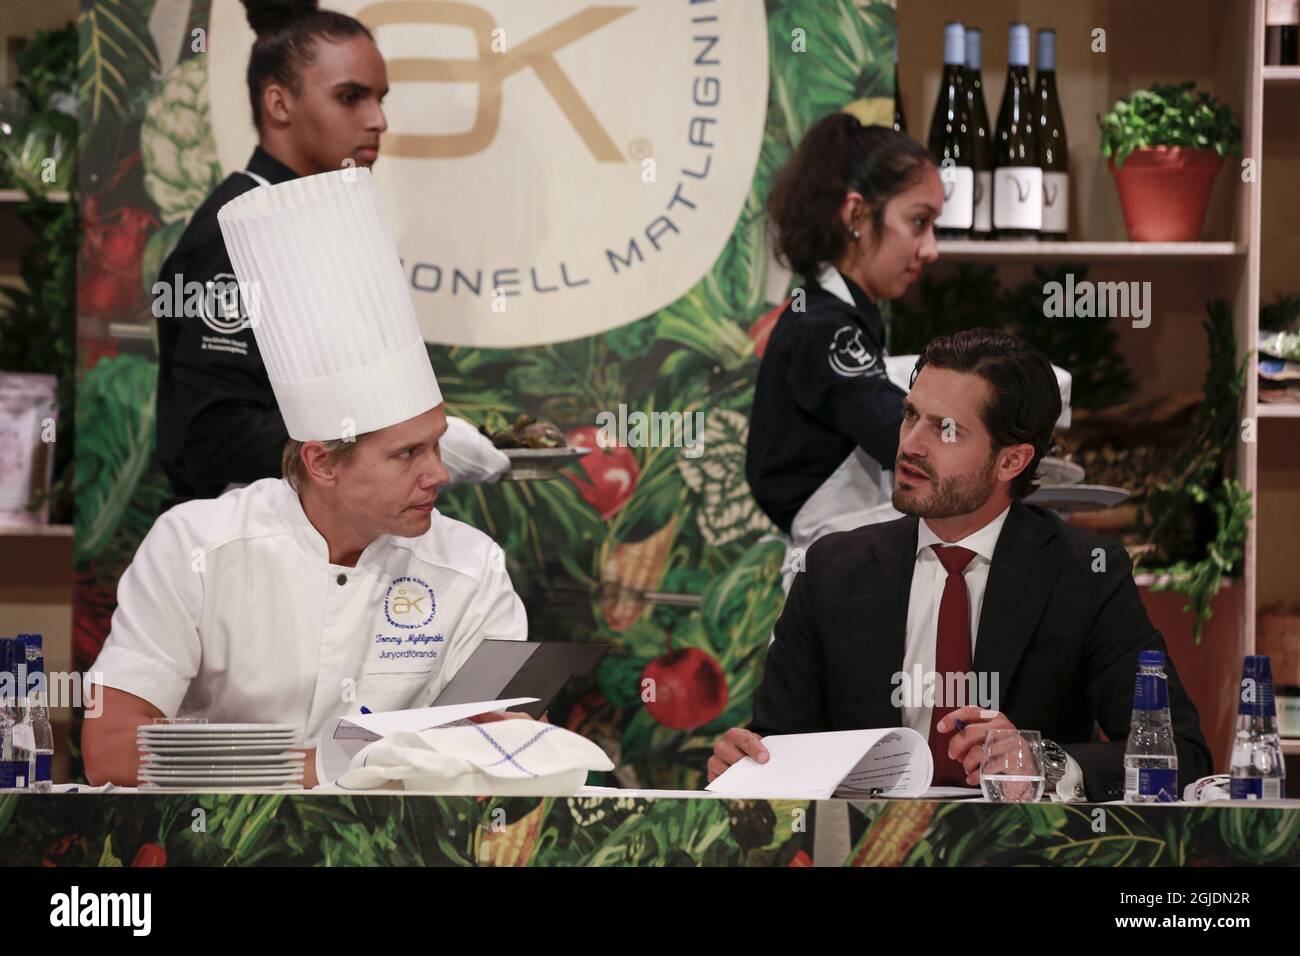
1165	191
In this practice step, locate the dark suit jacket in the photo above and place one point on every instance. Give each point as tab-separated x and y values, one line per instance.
1062	638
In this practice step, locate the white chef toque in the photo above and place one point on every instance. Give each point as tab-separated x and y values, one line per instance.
328	304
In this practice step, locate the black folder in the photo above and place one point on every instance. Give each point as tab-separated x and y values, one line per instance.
502	669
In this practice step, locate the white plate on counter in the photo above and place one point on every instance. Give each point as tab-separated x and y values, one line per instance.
207	738
221	760
189	729
213	748
219	787
283	776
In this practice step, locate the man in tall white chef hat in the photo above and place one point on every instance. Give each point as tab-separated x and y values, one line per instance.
338	586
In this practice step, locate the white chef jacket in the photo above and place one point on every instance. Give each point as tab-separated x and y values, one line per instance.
928	580
232	611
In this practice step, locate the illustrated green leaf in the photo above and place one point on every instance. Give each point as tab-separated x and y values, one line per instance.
117	56
115	428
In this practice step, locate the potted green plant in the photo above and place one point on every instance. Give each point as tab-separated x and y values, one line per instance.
1165	146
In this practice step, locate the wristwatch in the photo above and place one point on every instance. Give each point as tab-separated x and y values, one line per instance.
1055	763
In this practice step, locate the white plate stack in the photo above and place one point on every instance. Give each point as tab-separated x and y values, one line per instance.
219	757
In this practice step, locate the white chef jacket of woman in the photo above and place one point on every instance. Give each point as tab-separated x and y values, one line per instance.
231	611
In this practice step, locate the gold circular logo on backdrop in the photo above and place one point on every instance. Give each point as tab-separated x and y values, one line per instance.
517	172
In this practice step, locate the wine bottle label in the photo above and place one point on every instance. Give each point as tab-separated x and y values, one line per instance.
958	197
1018	197
43	765
983	218
1056	202
1282	12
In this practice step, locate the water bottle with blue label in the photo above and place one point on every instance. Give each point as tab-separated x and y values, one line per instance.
38	714
1150	760
1257	770
15	757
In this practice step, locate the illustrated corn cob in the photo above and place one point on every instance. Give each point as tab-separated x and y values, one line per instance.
633	567
899	827
511	845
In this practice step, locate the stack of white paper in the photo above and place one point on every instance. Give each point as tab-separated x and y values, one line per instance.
893	762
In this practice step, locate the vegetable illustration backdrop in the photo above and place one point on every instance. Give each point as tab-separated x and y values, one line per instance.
665	557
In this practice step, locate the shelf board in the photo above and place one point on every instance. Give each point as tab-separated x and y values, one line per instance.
975	250
36	531
18	196
1278	410
131	330
1281	74
1291	745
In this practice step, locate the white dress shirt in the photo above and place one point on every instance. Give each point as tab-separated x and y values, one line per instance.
232	611
928	579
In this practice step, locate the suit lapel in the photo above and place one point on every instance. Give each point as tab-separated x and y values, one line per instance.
889	589
1020	582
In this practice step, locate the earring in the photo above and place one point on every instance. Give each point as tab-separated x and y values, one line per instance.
855	234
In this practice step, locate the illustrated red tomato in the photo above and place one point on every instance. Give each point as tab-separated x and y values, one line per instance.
690	688
94	349
761	330
801	859
611	471
109	284
150	854
92	612
101	294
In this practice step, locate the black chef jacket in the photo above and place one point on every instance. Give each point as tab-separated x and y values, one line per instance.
217	418
822	389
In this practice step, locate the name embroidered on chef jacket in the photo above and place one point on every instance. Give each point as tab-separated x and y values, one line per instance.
418	646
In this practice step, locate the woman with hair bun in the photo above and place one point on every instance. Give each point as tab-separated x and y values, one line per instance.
315	81
854	213
316	85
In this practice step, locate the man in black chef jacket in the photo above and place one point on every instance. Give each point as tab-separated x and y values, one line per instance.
317	82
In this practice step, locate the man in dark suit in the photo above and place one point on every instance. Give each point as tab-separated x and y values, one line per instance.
1039	621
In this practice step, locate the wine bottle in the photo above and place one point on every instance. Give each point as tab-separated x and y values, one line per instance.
982	218
1053	151
1281	26
1017	177
900	119
951	142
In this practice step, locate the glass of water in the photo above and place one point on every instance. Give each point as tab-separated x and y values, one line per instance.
1011	766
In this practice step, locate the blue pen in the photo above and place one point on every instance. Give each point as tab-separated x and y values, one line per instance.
365	710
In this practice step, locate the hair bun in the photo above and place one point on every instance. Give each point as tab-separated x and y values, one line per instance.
266	16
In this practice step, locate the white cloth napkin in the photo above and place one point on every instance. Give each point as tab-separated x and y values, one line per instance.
502	757
470	457
1217	786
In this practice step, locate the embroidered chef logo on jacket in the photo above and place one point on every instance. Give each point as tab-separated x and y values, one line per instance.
224	307
849	357
409	603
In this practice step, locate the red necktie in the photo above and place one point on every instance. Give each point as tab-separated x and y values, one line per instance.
951	656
